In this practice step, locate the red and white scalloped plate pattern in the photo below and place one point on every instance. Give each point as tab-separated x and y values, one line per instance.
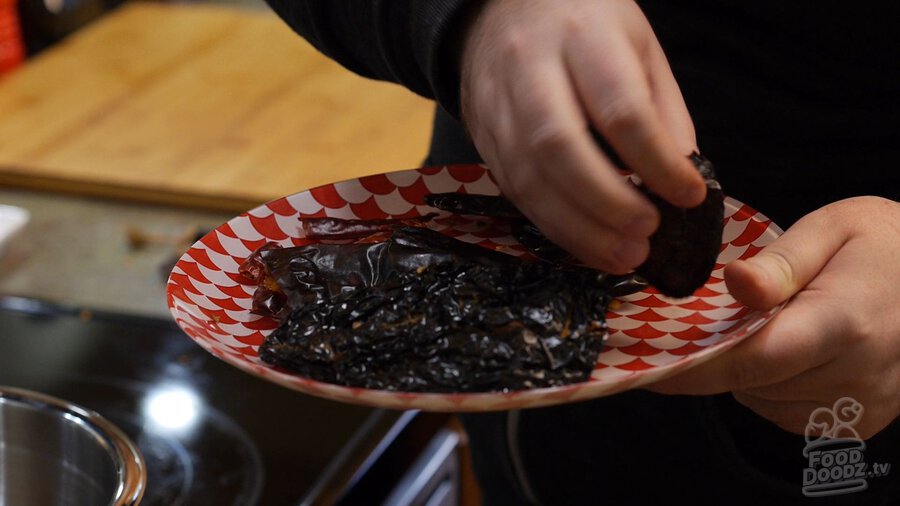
651	336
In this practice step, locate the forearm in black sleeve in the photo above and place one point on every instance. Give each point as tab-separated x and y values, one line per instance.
404	41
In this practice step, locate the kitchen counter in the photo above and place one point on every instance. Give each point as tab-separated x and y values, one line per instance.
97	254
161	121
198	105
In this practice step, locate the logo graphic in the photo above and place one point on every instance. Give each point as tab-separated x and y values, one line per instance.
835	452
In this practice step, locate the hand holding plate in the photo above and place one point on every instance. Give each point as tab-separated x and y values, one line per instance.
839	336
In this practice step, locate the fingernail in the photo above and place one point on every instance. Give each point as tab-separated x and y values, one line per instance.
630	253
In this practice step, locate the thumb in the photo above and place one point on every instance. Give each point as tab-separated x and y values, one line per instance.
763	281
787	265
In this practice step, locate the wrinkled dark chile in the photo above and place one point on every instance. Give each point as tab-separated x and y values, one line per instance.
393	305
425	312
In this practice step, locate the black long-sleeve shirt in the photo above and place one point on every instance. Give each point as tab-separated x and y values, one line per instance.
403	41
797	102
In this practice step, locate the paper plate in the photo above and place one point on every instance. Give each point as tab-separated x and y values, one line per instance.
651	336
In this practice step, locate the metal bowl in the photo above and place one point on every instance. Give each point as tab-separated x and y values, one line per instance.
54	452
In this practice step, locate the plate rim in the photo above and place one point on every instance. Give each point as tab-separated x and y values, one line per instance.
475	401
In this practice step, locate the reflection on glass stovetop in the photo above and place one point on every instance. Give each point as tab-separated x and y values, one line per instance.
210	434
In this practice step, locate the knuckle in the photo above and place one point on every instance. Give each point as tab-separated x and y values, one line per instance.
857	329
550	137
621	115
834	216
579	22
514	45
855	214
784	261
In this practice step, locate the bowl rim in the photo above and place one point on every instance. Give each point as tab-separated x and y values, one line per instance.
129	462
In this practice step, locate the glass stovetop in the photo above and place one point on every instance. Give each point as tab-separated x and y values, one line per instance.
210	434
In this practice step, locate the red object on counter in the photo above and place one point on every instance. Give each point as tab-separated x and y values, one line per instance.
12	49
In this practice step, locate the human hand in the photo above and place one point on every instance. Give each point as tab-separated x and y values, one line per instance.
534	75
840	334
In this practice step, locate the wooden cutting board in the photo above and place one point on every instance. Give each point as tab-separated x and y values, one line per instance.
202	106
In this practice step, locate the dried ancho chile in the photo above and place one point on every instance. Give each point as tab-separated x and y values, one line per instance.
466	321
394	305
684	248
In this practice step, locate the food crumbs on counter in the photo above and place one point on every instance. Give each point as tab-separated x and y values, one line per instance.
139	239
85	315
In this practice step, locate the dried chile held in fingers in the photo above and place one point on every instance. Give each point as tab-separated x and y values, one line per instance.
683	250
459	324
